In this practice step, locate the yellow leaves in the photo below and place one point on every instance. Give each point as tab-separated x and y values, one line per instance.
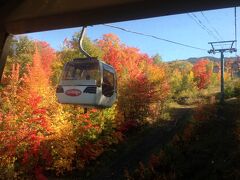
62	165
63	145
7	167
156	73
191	75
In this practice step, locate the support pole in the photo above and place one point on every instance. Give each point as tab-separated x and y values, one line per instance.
222	78
222	51
5	40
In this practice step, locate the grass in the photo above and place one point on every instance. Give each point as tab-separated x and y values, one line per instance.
208	148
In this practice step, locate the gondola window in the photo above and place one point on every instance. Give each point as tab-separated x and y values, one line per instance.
108	83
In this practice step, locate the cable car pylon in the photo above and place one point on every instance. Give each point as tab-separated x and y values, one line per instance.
222	51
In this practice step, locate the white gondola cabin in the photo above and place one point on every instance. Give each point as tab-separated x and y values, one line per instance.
87	82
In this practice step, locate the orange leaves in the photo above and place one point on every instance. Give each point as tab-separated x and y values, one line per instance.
157	76
109	41
34	100
140	82
15	72
36	79
126	60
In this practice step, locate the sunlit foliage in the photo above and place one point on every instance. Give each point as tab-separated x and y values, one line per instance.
141	82
202	73
37	134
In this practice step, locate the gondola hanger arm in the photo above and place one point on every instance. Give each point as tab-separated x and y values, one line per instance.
80	42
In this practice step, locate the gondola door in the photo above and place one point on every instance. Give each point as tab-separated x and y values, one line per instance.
109	88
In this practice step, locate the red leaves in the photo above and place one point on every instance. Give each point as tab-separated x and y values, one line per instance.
128	125
40	111
39	174
123	58
47	57
34	100
38	114
25	158
202	73
86	123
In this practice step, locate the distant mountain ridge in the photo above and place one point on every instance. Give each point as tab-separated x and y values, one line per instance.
193	60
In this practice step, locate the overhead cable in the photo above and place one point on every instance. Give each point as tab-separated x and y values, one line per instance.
155	37
199	22
214	29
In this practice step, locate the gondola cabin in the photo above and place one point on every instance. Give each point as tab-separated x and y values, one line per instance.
87	82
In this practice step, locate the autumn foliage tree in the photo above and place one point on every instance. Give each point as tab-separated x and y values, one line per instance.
140	81
26	122
202	73
38	134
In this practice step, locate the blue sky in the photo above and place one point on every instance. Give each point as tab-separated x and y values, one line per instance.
180	28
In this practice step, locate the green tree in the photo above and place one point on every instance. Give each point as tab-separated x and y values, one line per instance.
21	52
157	59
